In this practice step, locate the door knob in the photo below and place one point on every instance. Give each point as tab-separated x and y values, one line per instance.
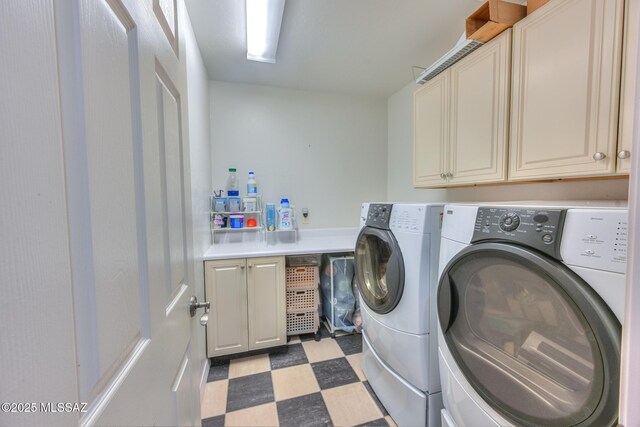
599	156
205	318
194	305
624	154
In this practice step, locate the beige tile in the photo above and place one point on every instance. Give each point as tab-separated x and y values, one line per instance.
249	365
390	421
294	340
355	360
322	350
294	381
350	405
214	401
261	415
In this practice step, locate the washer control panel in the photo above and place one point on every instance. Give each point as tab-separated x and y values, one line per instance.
537	228
596	238
379	215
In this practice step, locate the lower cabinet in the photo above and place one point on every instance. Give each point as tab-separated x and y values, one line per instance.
248	304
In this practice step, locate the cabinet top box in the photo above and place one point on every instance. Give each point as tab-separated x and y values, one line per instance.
533	5
492	18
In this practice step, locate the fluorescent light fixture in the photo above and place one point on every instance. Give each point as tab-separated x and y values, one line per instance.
264	18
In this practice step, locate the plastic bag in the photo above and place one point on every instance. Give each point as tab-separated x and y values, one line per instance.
344	301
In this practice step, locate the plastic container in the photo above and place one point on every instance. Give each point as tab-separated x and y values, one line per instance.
285	221
232	184
250	204
271	216
236	221
252	186
235	204
220	204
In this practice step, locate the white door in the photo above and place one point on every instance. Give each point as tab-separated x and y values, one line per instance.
98	246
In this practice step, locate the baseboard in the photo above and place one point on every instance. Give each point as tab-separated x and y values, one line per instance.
205	375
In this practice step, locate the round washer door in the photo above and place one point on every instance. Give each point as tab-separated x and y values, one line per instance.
531	337
379	269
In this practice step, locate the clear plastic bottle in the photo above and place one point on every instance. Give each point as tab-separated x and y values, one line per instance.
232	183
252	186
285	214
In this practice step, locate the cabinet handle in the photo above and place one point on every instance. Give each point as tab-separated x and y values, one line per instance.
242	267
449	175
599	156
624	154
443	175
250	265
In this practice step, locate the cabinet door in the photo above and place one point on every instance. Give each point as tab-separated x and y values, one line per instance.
565	90
431	132
267	302
628	88
226	288
479	114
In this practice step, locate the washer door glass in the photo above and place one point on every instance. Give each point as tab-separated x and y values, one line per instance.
379	269
532	338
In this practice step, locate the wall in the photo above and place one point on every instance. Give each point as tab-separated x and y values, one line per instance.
325	152
199	155
400	166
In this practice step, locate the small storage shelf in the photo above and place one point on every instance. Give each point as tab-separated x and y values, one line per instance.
256	214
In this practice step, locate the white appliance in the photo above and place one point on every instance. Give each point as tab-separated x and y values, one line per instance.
530	304
396	262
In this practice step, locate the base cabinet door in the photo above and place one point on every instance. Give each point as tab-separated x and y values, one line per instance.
267	302
226	290
248	304
565	90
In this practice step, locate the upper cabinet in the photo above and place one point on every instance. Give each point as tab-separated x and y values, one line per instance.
431	132
461	120
628	92
565	90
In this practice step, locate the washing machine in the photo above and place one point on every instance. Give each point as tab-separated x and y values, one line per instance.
396	263
530	305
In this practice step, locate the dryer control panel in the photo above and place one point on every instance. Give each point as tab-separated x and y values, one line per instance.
536	228
379	215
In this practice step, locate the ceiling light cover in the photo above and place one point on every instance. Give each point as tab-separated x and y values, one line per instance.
264	18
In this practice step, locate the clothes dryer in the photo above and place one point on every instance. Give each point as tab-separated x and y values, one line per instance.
396	260
530	305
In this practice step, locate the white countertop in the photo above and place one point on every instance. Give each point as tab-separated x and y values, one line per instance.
324	240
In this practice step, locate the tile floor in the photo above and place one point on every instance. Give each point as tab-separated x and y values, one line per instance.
310	384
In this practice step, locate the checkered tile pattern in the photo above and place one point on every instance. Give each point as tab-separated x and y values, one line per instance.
309	384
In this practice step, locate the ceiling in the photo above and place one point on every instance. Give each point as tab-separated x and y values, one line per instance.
362	47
